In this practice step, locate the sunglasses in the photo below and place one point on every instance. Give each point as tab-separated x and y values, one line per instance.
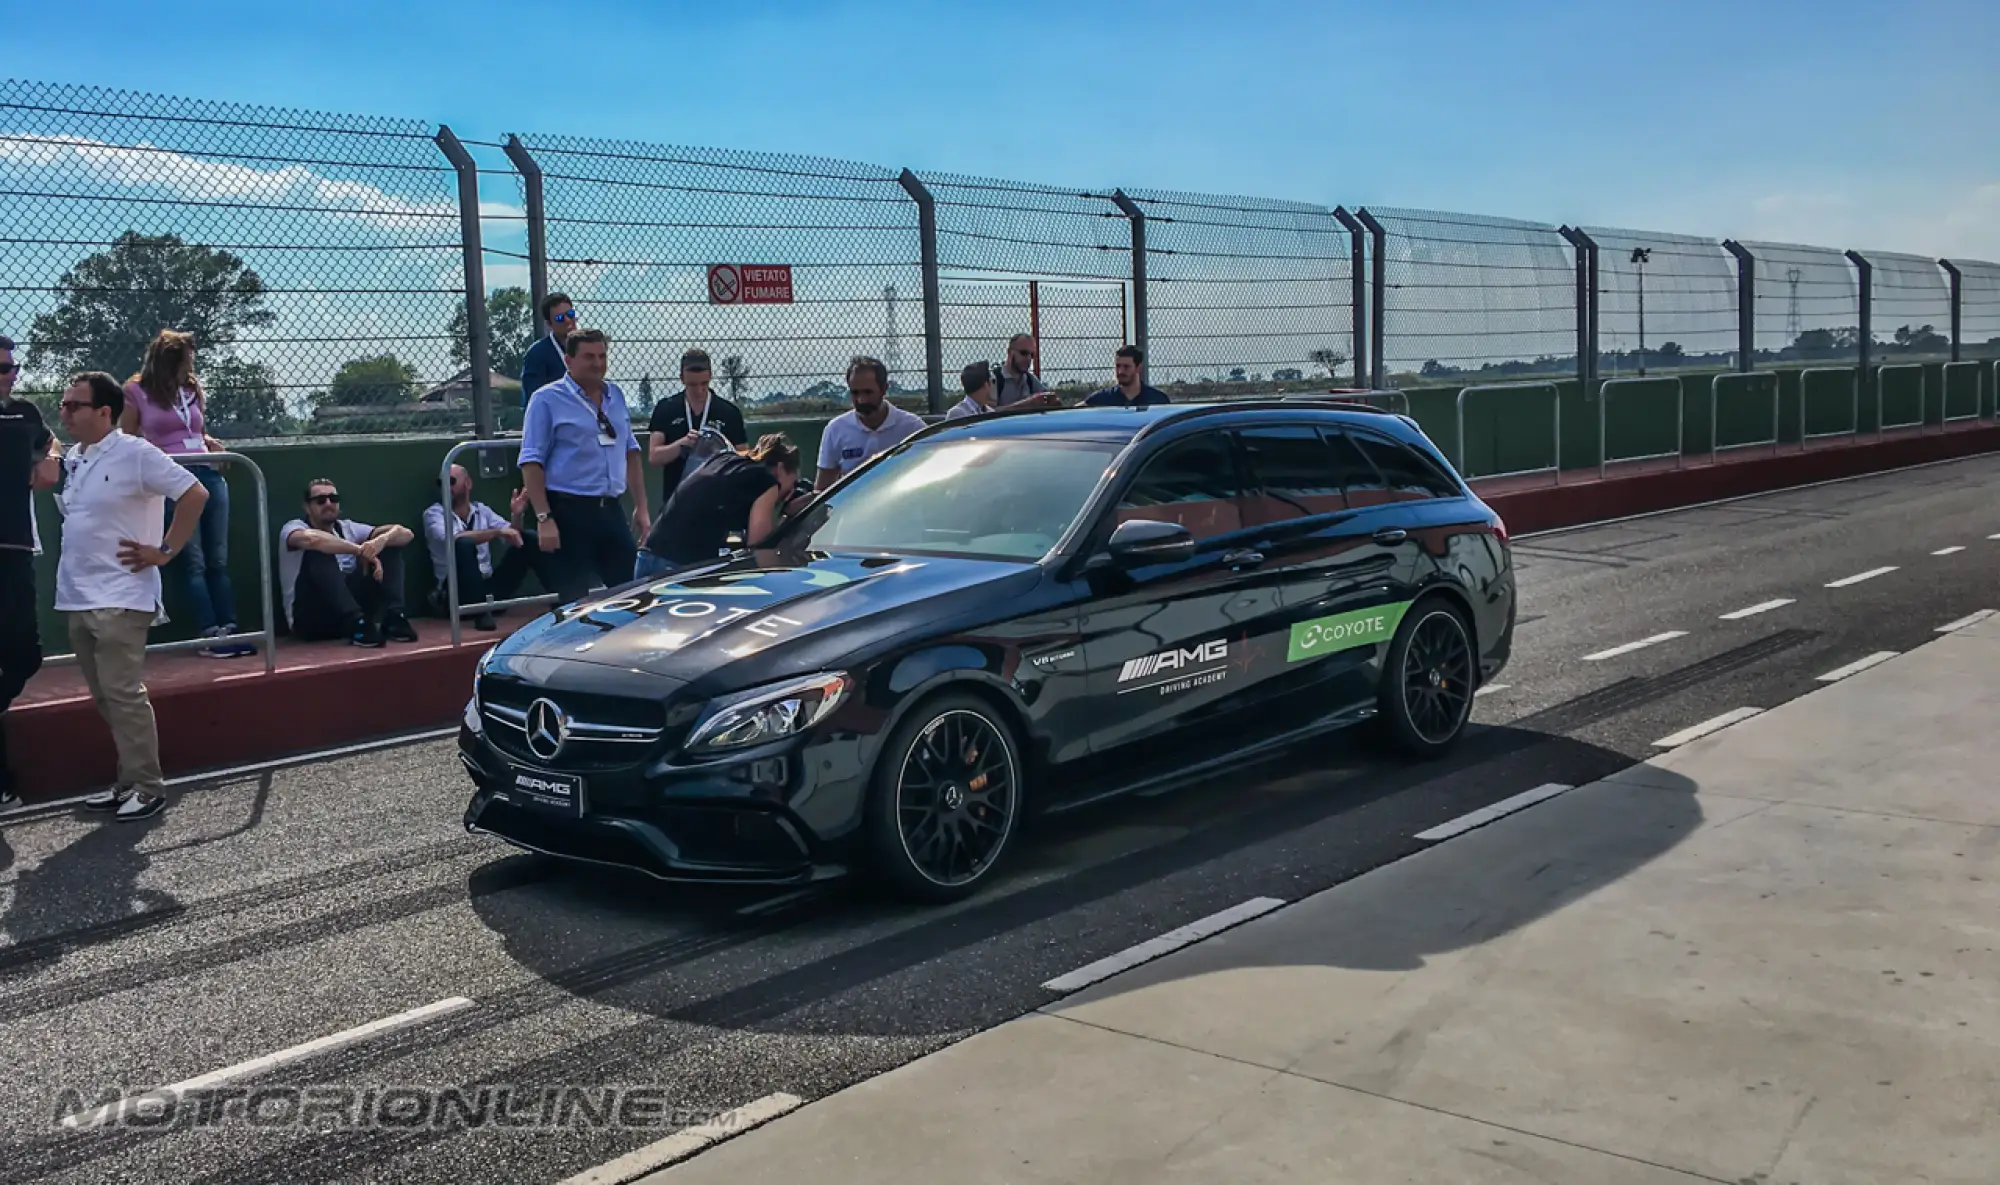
9	367
74	405
562	317
325	499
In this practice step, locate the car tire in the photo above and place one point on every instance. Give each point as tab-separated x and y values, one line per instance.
945	801
1425	697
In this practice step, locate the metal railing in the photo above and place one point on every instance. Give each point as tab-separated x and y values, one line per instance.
1555	398
1715	444
1882	425
1854	422
1604	457
1978	396
452	608
265	639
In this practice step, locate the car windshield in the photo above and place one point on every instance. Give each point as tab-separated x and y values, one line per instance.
1006	499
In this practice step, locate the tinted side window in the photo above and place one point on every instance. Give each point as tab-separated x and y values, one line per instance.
1365	486
1294	472
1410	477
1191	482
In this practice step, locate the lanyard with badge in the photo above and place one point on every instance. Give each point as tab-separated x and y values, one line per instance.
193	442
606	433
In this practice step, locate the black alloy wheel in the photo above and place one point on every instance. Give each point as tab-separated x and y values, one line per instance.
947	801
1427	682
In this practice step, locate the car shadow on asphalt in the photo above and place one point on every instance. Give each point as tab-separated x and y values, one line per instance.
692	955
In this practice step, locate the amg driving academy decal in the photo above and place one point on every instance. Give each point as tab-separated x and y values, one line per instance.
1174	671
1344	631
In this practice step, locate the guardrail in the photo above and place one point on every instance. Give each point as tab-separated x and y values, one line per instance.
1715	445
1555	397
1604	457
1923	397
1854	421
452	608
265	639
1978	396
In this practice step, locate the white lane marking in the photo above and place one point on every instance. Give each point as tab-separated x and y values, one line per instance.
1490	688
684	1144
1962	622
1857	578
316	755
1754	610
155	1100
1487	814
1705	727
1947	550
1171	941
1858	666
1993	536
1629	647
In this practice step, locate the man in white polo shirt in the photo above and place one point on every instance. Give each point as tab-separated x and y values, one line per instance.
112	500
875	425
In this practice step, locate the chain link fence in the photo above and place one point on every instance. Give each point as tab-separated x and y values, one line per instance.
317	259
323	261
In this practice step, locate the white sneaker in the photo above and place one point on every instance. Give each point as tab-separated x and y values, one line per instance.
140	805
108	800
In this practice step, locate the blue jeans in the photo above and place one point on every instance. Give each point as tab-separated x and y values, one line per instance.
204	562
648	565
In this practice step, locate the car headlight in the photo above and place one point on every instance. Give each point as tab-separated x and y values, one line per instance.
771	713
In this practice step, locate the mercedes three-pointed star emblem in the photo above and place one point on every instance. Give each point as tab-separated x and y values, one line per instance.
548	729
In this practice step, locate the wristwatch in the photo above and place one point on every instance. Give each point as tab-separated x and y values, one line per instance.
541	516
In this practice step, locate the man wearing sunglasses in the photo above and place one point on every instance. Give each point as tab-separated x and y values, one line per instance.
343	579
579	457
30	459
543	363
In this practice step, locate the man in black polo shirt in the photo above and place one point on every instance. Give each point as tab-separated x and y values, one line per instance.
678	421
1129	392
29	460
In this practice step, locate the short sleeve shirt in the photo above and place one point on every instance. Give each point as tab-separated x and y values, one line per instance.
848	442
291	559
24	441
965	407
671	419
114	490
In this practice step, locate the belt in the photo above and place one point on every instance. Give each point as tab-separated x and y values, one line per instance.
556	496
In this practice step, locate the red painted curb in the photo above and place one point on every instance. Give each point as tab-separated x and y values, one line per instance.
61	749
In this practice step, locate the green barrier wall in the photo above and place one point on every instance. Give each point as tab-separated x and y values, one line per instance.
393	480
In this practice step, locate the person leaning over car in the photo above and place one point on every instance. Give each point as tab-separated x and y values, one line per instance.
747	490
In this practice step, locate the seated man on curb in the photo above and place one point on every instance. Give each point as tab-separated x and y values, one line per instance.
343	579
469	540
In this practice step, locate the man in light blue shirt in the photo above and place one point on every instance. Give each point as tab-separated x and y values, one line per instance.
578	457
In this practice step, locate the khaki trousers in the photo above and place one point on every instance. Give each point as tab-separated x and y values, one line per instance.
110	646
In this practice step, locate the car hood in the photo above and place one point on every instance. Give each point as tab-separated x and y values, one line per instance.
688	624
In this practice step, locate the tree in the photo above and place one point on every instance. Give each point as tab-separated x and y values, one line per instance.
1330	360
383	379
113	303
1922	341
736	374
241	399
510	326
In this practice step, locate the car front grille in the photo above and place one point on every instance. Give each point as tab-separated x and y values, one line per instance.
602	732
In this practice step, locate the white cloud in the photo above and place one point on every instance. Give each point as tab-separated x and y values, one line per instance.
196	179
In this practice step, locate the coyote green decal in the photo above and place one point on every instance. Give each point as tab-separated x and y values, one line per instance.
1344	631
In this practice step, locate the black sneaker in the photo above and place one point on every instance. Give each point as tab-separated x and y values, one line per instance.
368	635
397	628
483	622
9	800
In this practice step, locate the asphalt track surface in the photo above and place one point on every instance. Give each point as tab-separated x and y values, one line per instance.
271	909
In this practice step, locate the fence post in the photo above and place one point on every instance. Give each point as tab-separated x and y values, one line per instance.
1137	218
475	281
1746	305
1357	269
1866	276
538	242
1586	319
933	303
1957	303
1380	283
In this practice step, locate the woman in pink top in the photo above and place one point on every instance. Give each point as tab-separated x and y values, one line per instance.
164	404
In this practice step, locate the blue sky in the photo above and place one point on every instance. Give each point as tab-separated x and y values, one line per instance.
1871	125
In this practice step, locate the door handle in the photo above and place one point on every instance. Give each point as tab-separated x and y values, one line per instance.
1243	557
1389	535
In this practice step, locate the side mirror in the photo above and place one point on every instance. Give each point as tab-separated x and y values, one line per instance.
1140	542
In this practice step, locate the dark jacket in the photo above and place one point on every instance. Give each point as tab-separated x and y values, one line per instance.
540	366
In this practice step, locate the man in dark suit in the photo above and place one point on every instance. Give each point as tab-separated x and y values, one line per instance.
543	363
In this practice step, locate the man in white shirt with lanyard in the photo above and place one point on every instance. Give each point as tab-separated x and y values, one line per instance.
108	581
873	425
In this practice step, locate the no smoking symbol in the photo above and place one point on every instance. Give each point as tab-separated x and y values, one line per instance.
724	283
